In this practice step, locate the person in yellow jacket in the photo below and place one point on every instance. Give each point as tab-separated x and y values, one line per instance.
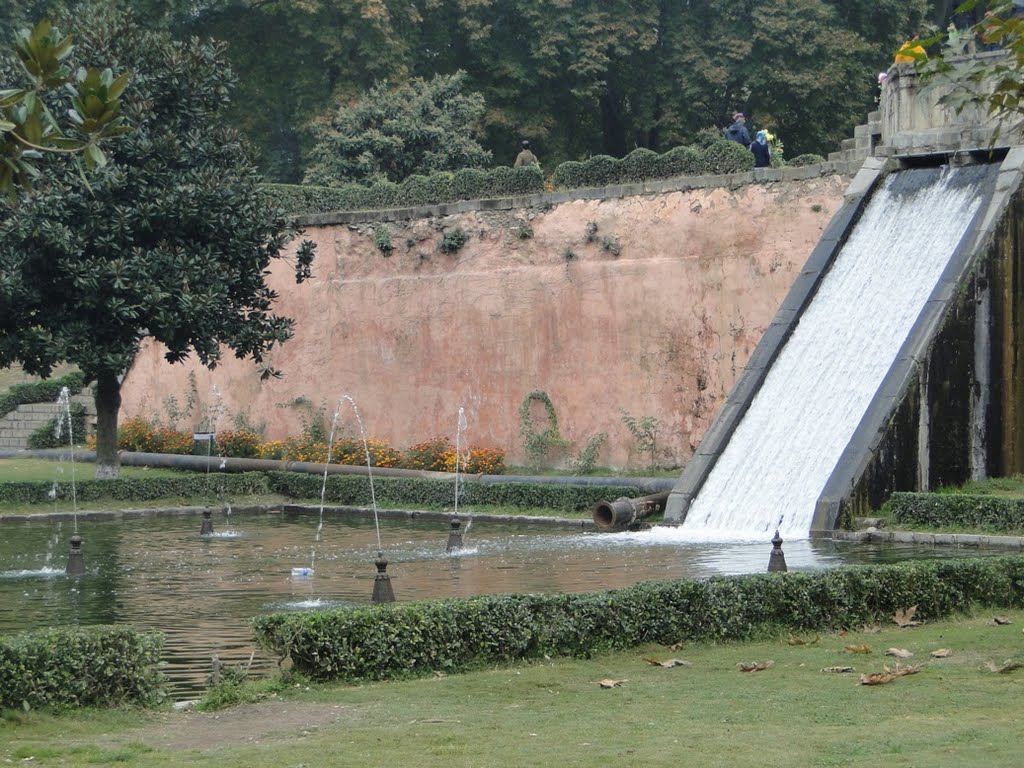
910	52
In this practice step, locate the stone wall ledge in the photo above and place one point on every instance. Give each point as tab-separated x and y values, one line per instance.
960	540
550	199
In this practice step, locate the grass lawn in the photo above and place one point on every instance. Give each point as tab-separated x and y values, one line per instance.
954	712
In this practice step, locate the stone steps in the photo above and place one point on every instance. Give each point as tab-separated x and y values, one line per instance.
19	424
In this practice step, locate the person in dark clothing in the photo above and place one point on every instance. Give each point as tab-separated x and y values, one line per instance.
761	151
738	130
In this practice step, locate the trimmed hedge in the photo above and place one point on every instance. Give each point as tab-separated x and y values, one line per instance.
40	391
80	666
718	157
725	156
355	490
139	489
801	160
935	510
381	642
444	187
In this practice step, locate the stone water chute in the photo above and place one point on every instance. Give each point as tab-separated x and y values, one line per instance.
882	279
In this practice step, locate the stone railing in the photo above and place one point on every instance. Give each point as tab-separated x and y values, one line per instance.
916	120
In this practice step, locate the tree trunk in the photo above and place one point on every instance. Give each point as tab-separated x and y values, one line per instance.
108	403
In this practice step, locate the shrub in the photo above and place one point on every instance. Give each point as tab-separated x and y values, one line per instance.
600	170
568	175
640	164
355	490
726	156
453	240
40	391
808	159
429	455
382	239
272	449
993	513
80	666
680	161
194	485
238	443
381	642
46	436
468	184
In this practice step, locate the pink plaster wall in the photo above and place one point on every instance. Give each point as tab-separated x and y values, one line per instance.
662	329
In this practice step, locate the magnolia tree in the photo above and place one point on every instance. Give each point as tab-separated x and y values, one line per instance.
28	127
172	239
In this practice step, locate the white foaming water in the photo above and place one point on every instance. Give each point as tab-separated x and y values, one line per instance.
775	467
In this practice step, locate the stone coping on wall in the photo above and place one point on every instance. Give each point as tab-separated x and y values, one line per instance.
549	199
971	540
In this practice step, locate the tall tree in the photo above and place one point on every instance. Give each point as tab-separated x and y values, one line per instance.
172	241
421	126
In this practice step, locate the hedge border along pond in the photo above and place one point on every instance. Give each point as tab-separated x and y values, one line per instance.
80	666
994	513
380	642
341	489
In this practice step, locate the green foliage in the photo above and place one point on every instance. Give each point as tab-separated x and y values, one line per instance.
383	642
467	184
80	667
382	239
46	391
437	494
174	240
645	431
639	165
727	157
802	160
196	485
453	240
239	443
599	171
568	175
53	436
28	128
584	463
522	230
994	83
396	131
987	513
539	446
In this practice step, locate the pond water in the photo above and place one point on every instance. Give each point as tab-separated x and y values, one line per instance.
158	573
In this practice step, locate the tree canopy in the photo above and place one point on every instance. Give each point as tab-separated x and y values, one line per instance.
577	78
171	240
421	126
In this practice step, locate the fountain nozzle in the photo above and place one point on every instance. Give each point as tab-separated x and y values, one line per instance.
76	563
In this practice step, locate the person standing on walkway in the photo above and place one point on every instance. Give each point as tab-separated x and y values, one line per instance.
738	130
761	150
525	157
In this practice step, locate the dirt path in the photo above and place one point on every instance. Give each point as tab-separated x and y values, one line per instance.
274	719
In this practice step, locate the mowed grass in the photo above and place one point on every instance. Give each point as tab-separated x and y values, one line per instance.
954	712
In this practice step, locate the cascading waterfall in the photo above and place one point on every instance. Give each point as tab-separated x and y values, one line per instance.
777	462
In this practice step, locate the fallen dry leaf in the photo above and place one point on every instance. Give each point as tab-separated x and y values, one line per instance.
871	629
1008	666
905	617
899	653
1001	620
608	683
888	675
669	663
675	647
942	653
838	669
755	666
800	641
862	648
